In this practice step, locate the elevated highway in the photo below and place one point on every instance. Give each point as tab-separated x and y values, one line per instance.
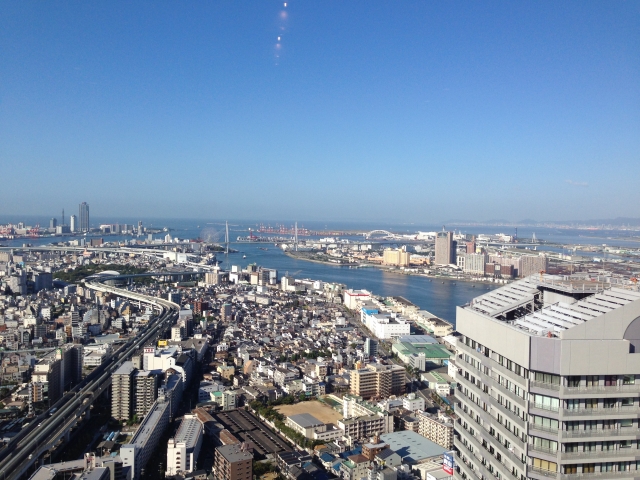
48	429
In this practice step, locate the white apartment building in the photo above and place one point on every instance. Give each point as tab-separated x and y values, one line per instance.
184	448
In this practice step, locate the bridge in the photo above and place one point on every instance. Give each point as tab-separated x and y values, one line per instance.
48	429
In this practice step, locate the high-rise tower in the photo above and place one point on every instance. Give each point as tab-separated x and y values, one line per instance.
84	217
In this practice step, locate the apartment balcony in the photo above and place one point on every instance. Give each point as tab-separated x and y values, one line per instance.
619	455
602	389
543	453
601	412
584	391
509	393
547	388
541	472
582	476
482	470
464	468
521	423
544	432
544	410
601	433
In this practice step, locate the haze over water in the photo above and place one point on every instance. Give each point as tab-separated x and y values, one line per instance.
438	297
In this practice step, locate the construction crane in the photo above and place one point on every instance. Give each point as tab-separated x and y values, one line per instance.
34	232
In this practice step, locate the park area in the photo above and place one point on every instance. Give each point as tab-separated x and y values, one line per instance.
321	411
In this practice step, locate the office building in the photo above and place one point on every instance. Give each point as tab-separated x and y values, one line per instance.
53	223
371	347
233	462
83	216
377	380
122	383
445	249
549	381
396	256
184	448
146	392
73	223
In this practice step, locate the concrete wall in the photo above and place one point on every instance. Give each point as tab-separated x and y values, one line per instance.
498	336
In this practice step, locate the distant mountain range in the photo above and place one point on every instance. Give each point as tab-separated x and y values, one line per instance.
608	222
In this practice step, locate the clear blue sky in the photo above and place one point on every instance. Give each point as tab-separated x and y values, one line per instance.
396	111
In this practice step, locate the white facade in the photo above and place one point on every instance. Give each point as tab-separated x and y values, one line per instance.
386	325
413	402
352	298
184	448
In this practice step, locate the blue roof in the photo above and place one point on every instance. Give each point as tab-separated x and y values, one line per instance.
355	451
327	457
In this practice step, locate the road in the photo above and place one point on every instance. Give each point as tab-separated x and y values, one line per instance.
44	432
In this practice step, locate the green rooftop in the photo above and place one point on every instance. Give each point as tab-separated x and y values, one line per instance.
430	350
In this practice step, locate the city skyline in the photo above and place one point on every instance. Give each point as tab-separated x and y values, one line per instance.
361	111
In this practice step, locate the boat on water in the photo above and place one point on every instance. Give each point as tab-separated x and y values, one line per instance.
262	248
244	256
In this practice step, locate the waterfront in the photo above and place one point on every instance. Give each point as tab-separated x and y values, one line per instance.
430	294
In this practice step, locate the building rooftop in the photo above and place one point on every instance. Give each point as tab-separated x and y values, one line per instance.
125	369
580	301
417	339
148	425
234	453
305	420
189	430
411	446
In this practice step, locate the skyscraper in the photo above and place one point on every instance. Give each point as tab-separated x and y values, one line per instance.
84	217
53	223
445	249
73	223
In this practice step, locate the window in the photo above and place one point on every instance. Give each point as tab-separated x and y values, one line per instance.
627	402
608	446
628	380
609	402
573	381
590	424
590	446
593	380
545	465
625	443
570	469
591	403
547	378
610	380
545	444
626	422
588	468
572	426
573	404
550	423
571	447
546	403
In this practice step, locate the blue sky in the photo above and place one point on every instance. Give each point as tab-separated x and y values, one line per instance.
391	111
